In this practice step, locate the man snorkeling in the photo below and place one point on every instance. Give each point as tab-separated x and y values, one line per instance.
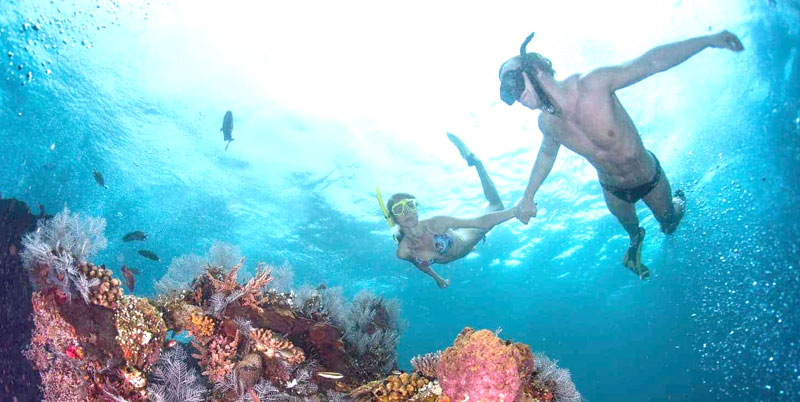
584	114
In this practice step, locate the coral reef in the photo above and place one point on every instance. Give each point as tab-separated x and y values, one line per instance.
174	381
103	289
551	383
92	342
54	250
426	364
482	367
141	331
56	352
396	387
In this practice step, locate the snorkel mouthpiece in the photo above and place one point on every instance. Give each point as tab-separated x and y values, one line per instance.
527	66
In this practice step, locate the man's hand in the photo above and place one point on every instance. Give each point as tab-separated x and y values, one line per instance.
525	210
726	40
443	284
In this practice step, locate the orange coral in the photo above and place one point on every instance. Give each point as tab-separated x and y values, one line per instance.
228	283
201	326
253	295
265	341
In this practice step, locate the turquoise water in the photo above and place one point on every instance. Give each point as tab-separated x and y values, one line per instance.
327	105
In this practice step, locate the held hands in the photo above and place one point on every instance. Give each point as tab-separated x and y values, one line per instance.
726	40
525	210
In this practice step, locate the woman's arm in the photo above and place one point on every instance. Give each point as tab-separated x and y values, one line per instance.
484	222
404	255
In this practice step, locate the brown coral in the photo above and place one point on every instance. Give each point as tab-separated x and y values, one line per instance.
109	291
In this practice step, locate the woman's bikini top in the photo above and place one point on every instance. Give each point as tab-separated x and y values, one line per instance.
441	243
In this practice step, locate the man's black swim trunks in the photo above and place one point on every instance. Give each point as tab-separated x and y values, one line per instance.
632	195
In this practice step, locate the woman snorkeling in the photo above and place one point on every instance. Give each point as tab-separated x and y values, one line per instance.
442	239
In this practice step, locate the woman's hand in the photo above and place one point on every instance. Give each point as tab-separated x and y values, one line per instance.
525	210
726	40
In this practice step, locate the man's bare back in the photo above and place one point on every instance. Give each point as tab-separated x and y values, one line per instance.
586	116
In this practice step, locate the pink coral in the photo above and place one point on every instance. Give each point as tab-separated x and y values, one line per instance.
217	357
482	367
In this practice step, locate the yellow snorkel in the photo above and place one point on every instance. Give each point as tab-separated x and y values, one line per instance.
385	211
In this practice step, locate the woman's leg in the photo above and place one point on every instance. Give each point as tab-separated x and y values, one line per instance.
489	191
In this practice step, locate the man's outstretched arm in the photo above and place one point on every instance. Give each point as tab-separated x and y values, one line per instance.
541	168
659	59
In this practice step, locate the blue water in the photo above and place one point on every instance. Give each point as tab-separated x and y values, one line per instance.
329	104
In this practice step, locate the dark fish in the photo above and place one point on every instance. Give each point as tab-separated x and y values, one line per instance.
130	280
137	235
98	177
227	128
149	254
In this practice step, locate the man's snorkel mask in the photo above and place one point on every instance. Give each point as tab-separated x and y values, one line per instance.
512	83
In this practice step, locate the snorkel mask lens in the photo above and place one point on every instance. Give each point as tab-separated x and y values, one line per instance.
511	86
400	208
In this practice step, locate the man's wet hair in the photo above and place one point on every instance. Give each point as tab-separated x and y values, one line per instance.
541	62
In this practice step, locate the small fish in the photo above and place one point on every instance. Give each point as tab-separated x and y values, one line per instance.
396	372
149	254
330	374
137	235
171	344
130	280
227	128
98	177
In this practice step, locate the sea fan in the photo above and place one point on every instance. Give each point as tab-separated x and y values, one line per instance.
334	306
174	381
373	333
181	272
223	255
548	372
60	243
282	278
219	302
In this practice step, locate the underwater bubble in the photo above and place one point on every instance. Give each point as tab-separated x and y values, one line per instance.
10	54
48	71
37	27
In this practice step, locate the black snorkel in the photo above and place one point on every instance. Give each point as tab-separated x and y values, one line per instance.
528	67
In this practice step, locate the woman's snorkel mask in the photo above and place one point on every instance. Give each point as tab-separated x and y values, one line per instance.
512	83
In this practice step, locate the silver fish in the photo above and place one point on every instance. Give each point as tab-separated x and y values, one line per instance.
331	374
227	128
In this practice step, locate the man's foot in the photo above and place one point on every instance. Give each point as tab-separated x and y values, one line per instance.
679	203
633	257
462	148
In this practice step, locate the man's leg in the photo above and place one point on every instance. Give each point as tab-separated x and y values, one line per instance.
626	215
667	209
